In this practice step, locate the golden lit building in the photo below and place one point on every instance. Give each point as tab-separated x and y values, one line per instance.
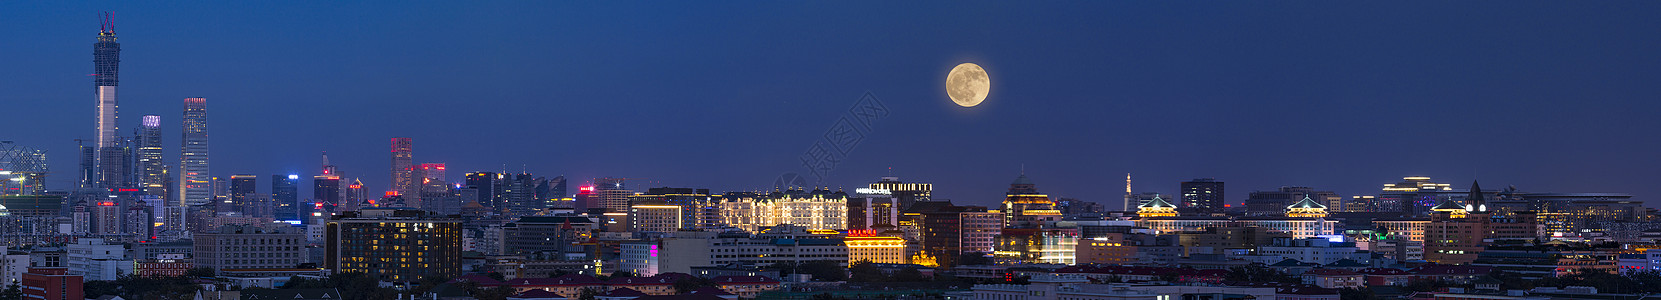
1036	246
1109	249
1157	208
818	209
1306	208
1024	207
876	247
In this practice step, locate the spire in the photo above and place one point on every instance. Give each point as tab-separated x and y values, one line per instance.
1476	201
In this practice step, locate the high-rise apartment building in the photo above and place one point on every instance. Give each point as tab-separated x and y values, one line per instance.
403	168
400	246
1206	193
195	185
285	190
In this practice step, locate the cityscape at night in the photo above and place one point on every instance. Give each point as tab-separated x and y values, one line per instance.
538	150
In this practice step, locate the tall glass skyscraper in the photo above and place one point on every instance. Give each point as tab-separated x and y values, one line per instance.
112	160
403	169
285	190
152	174
195	186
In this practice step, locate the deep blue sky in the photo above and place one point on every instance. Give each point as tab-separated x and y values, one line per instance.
1340	95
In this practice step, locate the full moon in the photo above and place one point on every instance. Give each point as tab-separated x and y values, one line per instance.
968	84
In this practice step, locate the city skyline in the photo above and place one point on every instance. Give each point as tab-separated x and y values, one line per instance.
1166	118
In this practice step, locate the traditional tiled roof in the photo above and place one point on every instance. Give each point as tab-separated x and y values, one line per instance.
537	294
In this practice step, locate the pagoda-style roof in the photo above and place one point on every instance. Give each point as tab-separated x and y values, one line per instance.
1157	203
1306	203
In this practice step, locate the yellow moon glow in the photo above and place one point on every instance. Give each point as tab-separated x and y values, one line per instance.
968	84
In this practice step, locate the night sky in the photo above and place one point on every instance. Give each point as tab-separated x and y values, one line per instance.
1548	96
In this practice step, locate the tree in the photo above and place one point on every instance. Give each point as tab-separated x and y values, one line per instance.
864	271
199	272
1257	273
12	292
494	275
909	275
623	274
1362	293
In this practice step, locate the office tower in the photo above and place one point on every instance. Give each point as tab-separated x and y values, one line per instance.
905	193
194	185
486	186
612	194
430	185
434	171
400	246
152	172
403	172
249	247
285	190
1024	207
1205	193
521	195
241	188
326	191
553	193
817	209
1274	203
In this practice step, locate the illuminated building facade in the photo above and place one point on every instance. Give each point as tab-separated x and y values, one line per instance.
1206	193
877	247
195	187
394	245
1296	227
1567	215
1036	246
1157	208
817	209
242	190
1024	207
486	188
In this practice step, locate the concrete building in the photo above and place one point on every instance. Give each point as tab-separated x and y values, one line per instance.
249	247
43	283
1024	207
95	260
1311	250
876	247
1456	233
